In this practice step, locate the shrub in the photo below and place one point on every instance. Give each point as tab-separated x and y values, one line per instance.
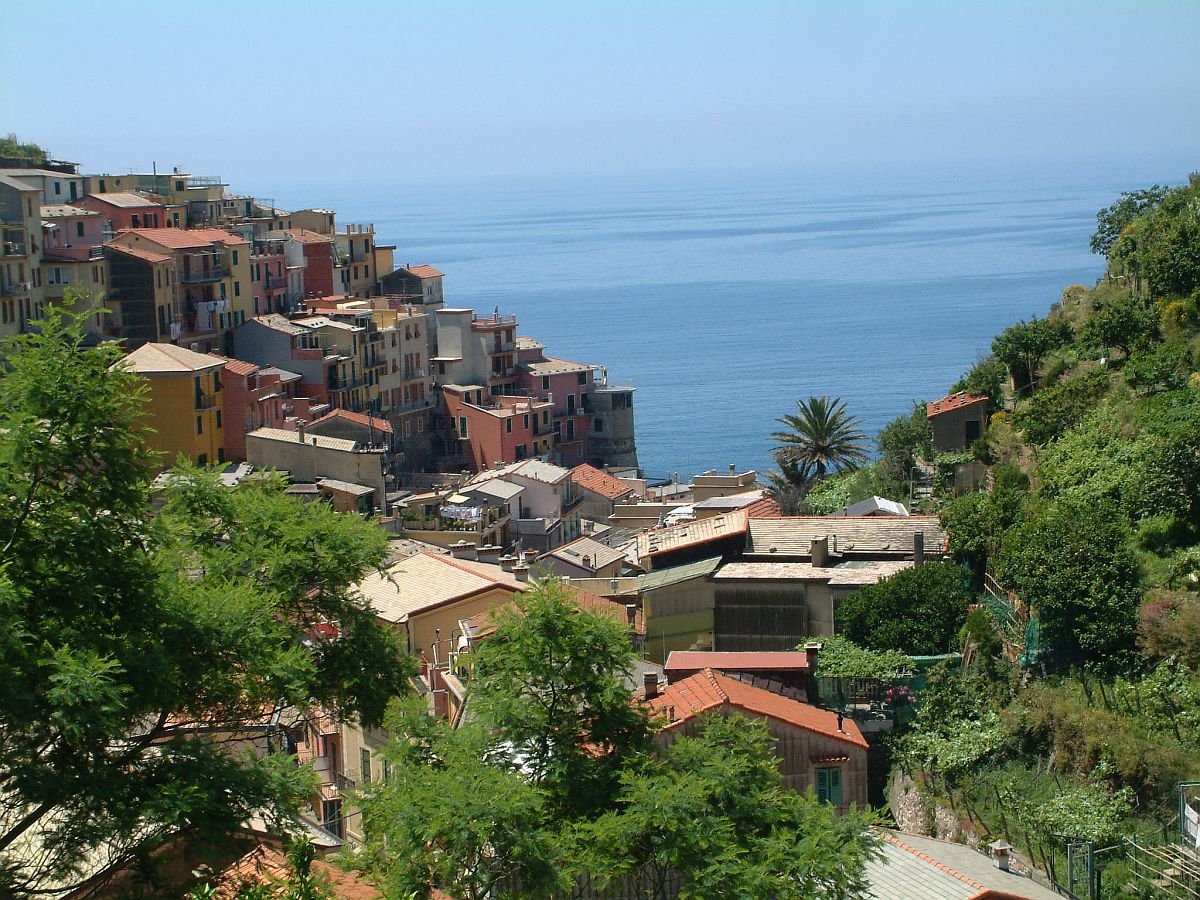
917	611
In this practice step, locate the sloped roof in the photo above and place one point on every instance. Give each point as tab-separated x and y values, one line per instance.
537	470
163	358
426	581
552	365
600	482
872	506
708	690
125	200
738	661
279	323
688	534
423	271
9	182
64	210
914	867
661	578
184	238
236	366
573	553
362	419
851	573
323	441
484	623
497	488
147	255
304	236
952	402
859	536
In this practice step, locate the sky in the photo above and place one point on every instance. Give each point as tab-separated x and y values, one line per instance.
289	89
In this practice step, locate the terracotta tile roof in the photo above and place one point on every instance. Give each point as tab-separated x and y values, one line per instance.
599	555
424	271
766	508
304	236
161	358
426	581
236	366
738	661
600	482
708	690
688	534
952	402
147	255
362	419
183	238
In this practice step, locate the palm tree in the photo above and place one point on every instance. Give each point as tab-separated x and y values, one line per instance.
821	438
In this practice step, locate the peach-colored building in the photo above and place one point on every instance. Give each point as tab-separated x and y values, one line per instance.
496	428
125	209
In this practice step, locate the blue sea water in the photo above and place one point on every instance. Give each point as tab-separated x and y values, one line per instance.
725	297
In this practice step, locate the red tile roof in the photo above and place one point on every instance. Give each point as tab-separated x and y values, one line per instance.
304	236
358	418
709	690
236	366
766	508
951	402
600	482
738	661
424	271
147	255
185	238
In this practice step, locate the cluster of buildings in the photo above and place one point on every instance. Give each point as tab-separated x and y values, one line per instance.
282	339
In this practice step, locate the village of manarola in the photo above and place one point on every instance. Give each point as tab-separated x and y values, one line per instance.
600	450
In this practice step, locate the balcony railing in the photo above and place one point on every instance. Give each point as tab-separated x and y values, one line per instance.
493	321
200	276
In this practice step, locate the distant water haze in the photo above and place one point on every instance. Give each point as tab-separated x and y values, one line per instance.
725	298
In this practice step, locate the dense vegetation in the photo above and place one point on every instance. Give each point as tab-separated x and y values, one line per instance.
1091	517
13	146
137	647
555	779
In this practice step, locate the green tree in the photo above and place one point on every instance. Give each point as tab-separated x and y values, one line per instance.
11	145
713	813
551	680
822	437
985	379
970	522
1161	247
842	658
1073	564
132	643
916	611
1112	220
905	441
1123	322
457	813
846	488
1023	346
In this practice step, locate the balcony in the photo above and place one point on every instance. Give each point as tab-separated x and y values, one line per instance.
487	322
204	276
13	248
274	282
205	400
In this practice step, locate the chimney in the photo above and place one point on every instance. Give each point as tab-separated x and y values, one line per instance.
1000	852
300	432
530	554
521	572
650	685
918	548
463	550
811	649
507	562
819	550
841	720
587	561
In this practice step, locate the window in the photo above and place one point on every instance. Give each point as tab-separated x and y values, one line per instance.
829	785
78	229
598	425
57	188
974	428
199	424
545	382
364	764
462	427
508	425
178	185
235	257
103	189
525	422
383	769
582	377
220	453
237	289
158	272
218	418
202	459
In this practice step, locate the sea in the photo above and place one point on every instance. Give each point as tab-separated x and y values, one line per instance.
725	297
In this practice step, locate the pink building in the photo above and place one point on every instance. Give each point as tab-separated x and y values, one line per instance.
490	429
70	232
254	397
268	276
568	386
124	209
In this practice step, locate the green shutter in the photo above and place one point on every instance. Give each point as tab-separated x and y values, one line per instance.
835	786
823	785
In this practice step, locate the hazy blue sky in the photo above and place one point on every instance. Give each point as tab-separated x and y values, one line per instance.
288	88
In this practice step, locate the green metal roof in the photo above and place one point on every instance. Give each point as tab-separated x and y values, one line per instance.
663	577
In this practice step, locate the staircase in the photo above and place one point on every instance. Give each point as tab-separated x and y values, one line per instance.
1172	870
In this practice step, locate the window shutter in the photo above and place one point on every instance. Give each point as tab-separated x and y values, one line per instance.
835	786
823	785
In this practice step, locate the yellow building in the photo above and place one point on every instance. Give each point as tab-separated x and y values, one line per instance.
21	298
183	402
356	246
214	293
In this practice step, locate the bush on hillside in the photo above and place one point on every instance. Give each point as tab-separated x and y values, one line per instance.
842	490
842	658
917	611
1073	564
1048	414
904	441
